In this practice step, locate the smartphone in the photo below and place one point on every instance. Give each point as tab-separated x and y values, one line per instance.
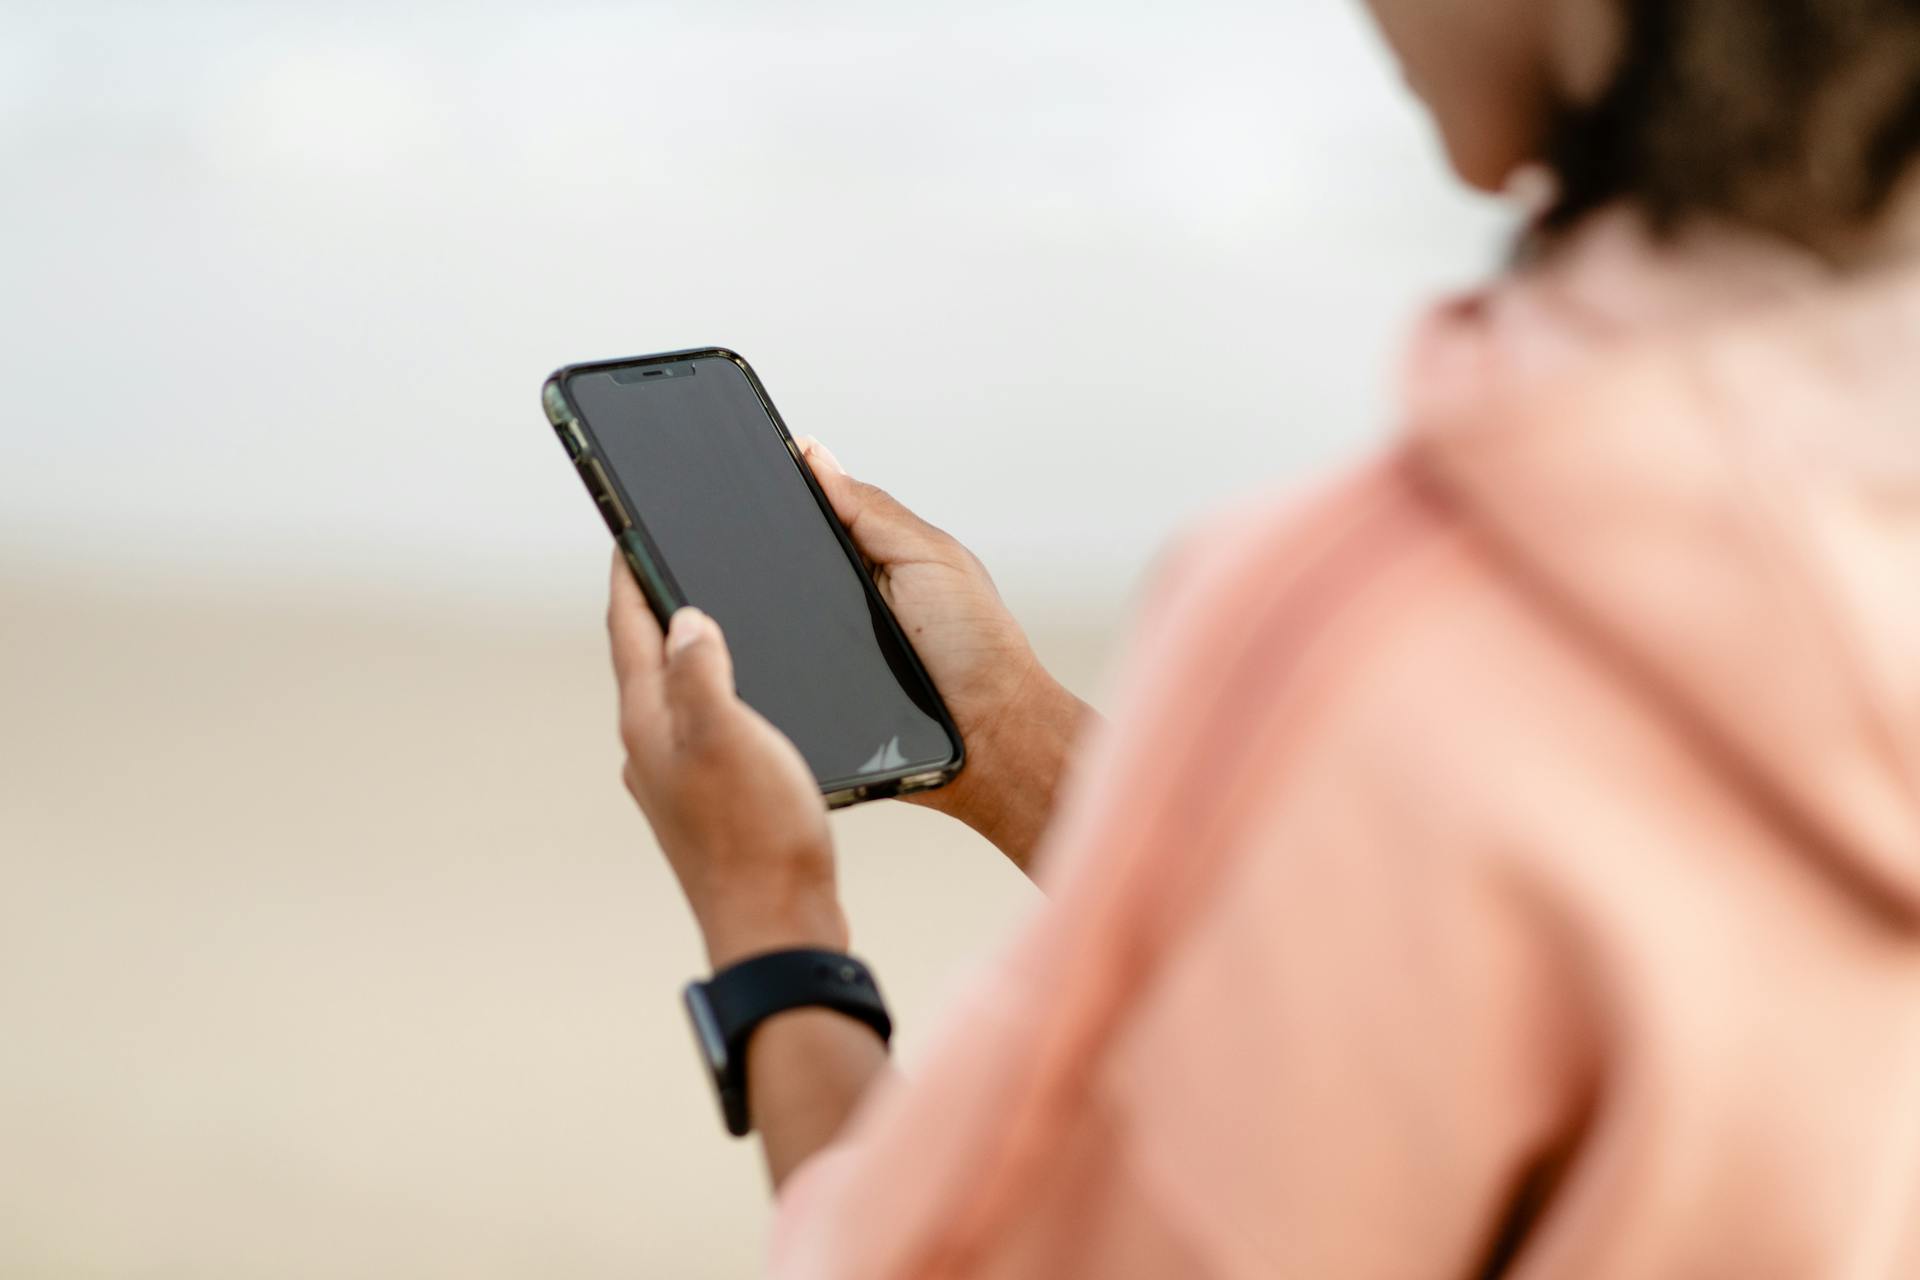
711	503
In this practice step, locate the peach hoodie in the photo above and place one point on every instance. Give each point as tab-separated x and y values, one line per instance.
1507	863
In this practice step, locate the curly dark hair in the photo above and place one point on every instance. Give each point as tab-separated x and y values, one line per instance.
1800	117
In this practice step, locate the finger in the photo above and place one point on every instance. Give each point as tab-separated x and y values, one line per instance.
638	659
819	457
631	626
886	532
698	677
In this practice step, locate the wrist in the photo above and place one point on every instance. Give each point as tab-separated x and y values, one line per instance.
1015	766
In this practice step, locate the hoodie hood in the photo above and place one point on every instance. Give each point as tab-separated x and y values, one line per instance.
1708	455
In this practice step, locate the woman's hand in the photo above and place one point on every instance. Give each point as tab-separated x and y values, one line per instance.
731	801
742	823
1018	722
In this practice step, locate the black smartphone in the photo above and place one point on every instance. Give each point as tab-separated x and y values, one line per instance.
708	497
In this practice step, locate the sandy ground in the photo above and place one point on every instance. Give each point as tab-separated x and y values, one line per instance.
329	946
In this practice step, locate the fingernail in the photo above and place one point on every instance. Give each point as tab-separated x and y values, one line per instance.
820	455
687	626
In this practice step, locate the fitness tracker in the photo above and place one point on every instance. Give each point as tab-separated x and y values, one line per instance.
728	1007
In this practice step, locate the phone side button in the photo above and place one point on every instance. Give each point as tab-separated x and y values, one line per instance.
605	498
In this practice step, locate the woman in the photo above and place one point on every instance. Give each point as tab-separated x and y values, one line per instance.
1507	862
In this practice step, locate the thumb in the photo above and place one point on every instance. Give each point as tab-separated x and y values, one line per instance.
698	681
886	532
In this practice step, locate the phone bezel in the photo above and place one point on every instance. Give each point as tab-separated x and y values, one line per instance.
663	594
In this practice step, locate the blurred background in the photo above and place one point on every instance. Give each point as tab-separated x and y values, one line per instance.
329	944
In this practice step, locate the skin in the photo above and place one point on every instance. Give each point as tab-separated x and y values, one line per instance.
733	804
1484	70
1492	72
1018	722
731	801
1495	73
742	824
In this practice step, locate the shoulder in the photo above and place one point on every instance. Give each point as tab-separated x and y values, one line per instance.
1345	534
1277	880
1280	595
1372	595
1359	645
1258	632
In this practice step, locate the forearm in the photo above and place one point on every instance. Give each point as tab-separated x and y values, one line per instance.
806	1072
809	1069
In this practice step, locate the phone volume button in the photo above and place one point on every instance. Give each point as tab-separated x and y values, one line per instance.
604	497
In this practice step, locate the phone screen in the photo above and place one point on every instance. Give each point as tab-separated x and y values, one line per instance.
705	471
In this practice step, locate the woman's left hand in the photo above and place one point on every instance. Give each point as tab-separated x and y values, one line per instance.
732	802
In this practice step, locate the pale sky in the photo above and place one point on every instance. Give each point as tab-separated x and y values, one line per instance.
279	283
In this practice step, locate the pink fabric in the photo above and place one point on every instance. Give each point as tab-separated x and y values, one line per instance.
1507	862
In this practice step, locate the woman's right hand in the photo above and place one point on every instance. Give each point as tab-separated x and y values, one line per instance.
1017	721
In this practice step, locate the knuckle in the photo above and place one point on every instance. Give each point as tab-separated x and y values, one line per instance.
682	689
706	739
700	741
948	549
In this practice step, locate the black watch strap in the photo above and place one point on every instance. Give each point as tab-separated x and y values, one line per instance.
727	1009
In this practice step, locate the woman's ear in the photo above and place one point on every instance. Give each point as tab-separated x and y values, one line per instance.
1586	40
